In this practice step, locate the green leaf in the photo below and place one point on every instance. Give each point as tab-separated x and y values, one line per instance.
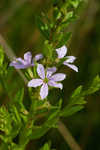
93	86
56	13
15	114
1	56
76	95
48	50
39	132
75	3
76	103
63	38
77	91
17	107
71	110
45	147
69	15
69	18
5	121
10	123
14	146
3	65
51	121
44	29
19	96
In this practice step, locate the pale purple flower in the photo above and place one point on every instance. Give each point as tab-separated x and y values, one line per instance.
47	79
20	63
61	52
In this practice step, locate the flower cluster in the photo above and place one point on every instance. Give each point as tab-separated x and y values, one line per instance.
45	76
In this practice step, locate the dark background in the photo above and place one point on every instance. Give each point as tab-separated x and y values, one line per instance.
18	28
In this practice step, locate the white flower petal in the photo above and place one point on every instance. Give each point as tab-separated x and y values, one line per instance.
71	66
35	82
44	91
41	71
54	84
58	77
61	51
70	59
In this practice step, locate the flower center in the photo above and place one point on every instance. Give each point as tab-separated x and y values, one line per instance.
46	80
57	60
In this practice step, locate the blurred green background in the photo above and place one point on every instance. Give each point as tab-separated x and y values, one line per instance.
19	29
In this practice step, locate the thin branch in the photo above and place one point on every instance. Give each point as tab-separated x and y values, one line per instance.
68	137
9	52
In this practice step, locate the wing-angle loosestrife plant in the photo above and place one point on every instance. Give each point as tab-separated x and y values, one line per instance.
46	79
69	59
20	63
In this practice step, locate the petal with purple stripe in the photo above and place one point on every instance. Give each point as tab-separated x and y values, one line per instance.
50	71
70	59
58	77
18	63
38	57
28	57
41	71
71	66
44	91
61	51
35	83
55	84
